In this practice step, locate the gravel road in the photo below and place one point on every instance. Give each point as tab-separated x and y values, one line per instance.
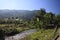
21	35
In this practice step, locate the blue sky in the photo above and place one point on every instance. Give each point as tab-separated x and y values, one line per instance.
49	5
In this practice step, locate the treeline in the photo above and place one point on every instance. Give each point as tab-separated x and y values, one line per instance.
45	19
9	22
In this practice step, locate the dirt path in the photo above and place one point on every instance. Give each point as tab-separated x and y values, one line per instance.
59	34
20	35
58	38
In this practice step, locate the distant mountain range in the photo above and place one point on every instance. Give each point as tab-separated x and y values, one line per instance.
17	13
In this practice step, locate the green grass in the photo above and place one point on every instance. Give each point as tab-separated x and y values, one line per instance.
58	31
41	35
12	28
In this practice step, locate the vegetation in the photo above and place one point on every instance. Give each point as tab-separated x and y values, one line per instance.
40	35
48	22
43	21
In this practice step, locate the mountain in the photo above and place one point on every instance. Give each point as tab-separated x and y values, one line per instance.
17	13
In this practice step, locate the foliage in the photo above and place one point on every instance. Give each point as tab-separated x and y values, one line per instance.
42	20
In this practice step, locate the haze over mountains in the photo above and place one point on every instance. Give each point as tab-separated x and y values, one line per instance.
17	13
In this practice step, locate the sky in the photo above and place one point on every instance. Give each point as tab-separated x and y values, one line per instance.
49	5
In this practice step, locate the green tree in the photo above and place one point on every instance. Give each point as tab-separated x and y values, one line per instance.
38	20
40	13
49	19
58	20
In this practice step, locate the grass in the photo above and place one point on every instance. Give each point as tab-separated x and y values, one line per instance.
58	31
40	35
12	28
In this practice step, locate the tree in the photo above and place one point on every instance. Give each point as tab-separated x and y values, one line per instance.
40	13
49	20
12	17
16	17
2	34
38	19
49	17
58	20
